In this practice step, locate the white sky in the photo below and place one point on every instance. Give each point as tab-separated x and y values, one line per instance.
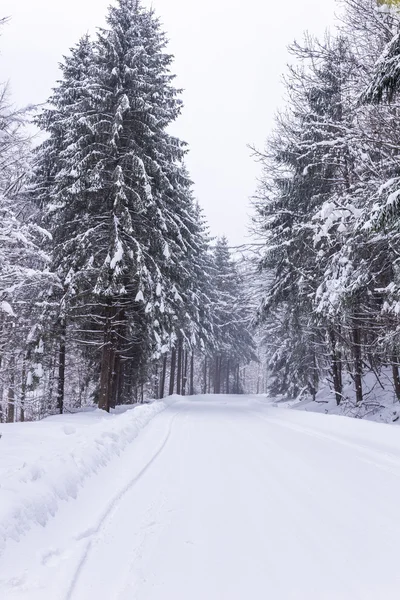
229	58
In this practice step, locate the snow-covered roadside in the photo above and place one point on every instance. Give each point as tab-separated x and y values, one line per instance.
380	403
43	463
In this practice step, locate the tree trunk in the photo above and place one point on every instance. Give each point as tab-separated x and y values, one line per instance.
258	378
61	367
336	369
205	376
105	377
51	382
192	374
11	394
184	372
117	331
357	363
227	376
163	374
23	391
172	372
107	362
396	377
11	404
217	380
179	370
115	379
314	385
156	382
121	381
129	387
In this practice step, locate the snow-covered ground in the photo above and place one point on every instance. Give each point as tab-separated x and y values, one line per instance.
217	498
379	399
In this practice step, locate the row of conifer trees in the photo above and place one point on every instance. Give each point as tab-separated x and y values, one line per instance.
111	287
328	212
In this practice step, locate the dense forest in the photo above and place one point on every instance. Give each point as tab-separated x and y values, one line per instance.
112	289
328	211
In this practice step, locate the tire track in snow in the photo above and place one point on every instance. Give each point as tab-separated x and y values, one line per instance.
129	579
94	531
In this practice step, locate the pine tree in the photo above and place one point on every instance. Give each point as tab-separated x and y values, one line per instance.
119	196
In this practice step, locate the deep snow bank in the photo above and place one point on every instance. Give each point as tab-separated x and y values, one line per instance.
43	463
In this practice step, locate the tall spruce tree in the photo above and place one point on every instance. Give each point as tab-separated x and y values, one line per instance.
118	194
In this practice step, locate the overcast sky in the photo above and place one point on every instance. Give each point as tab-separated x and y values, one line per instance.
229	58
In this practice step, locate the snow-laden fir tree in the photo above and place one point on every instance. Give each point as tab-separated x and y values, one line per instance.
22	261
54	176
306	165
327	209
118	196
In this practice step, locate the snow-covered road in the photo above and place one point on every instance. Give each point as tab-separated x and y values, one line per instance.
224	498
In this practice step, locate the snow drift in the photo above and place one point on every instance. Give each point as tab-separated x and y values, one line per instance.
44	463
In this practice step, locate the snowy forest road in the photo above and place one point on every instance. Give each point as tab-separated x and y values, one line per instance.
229	498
